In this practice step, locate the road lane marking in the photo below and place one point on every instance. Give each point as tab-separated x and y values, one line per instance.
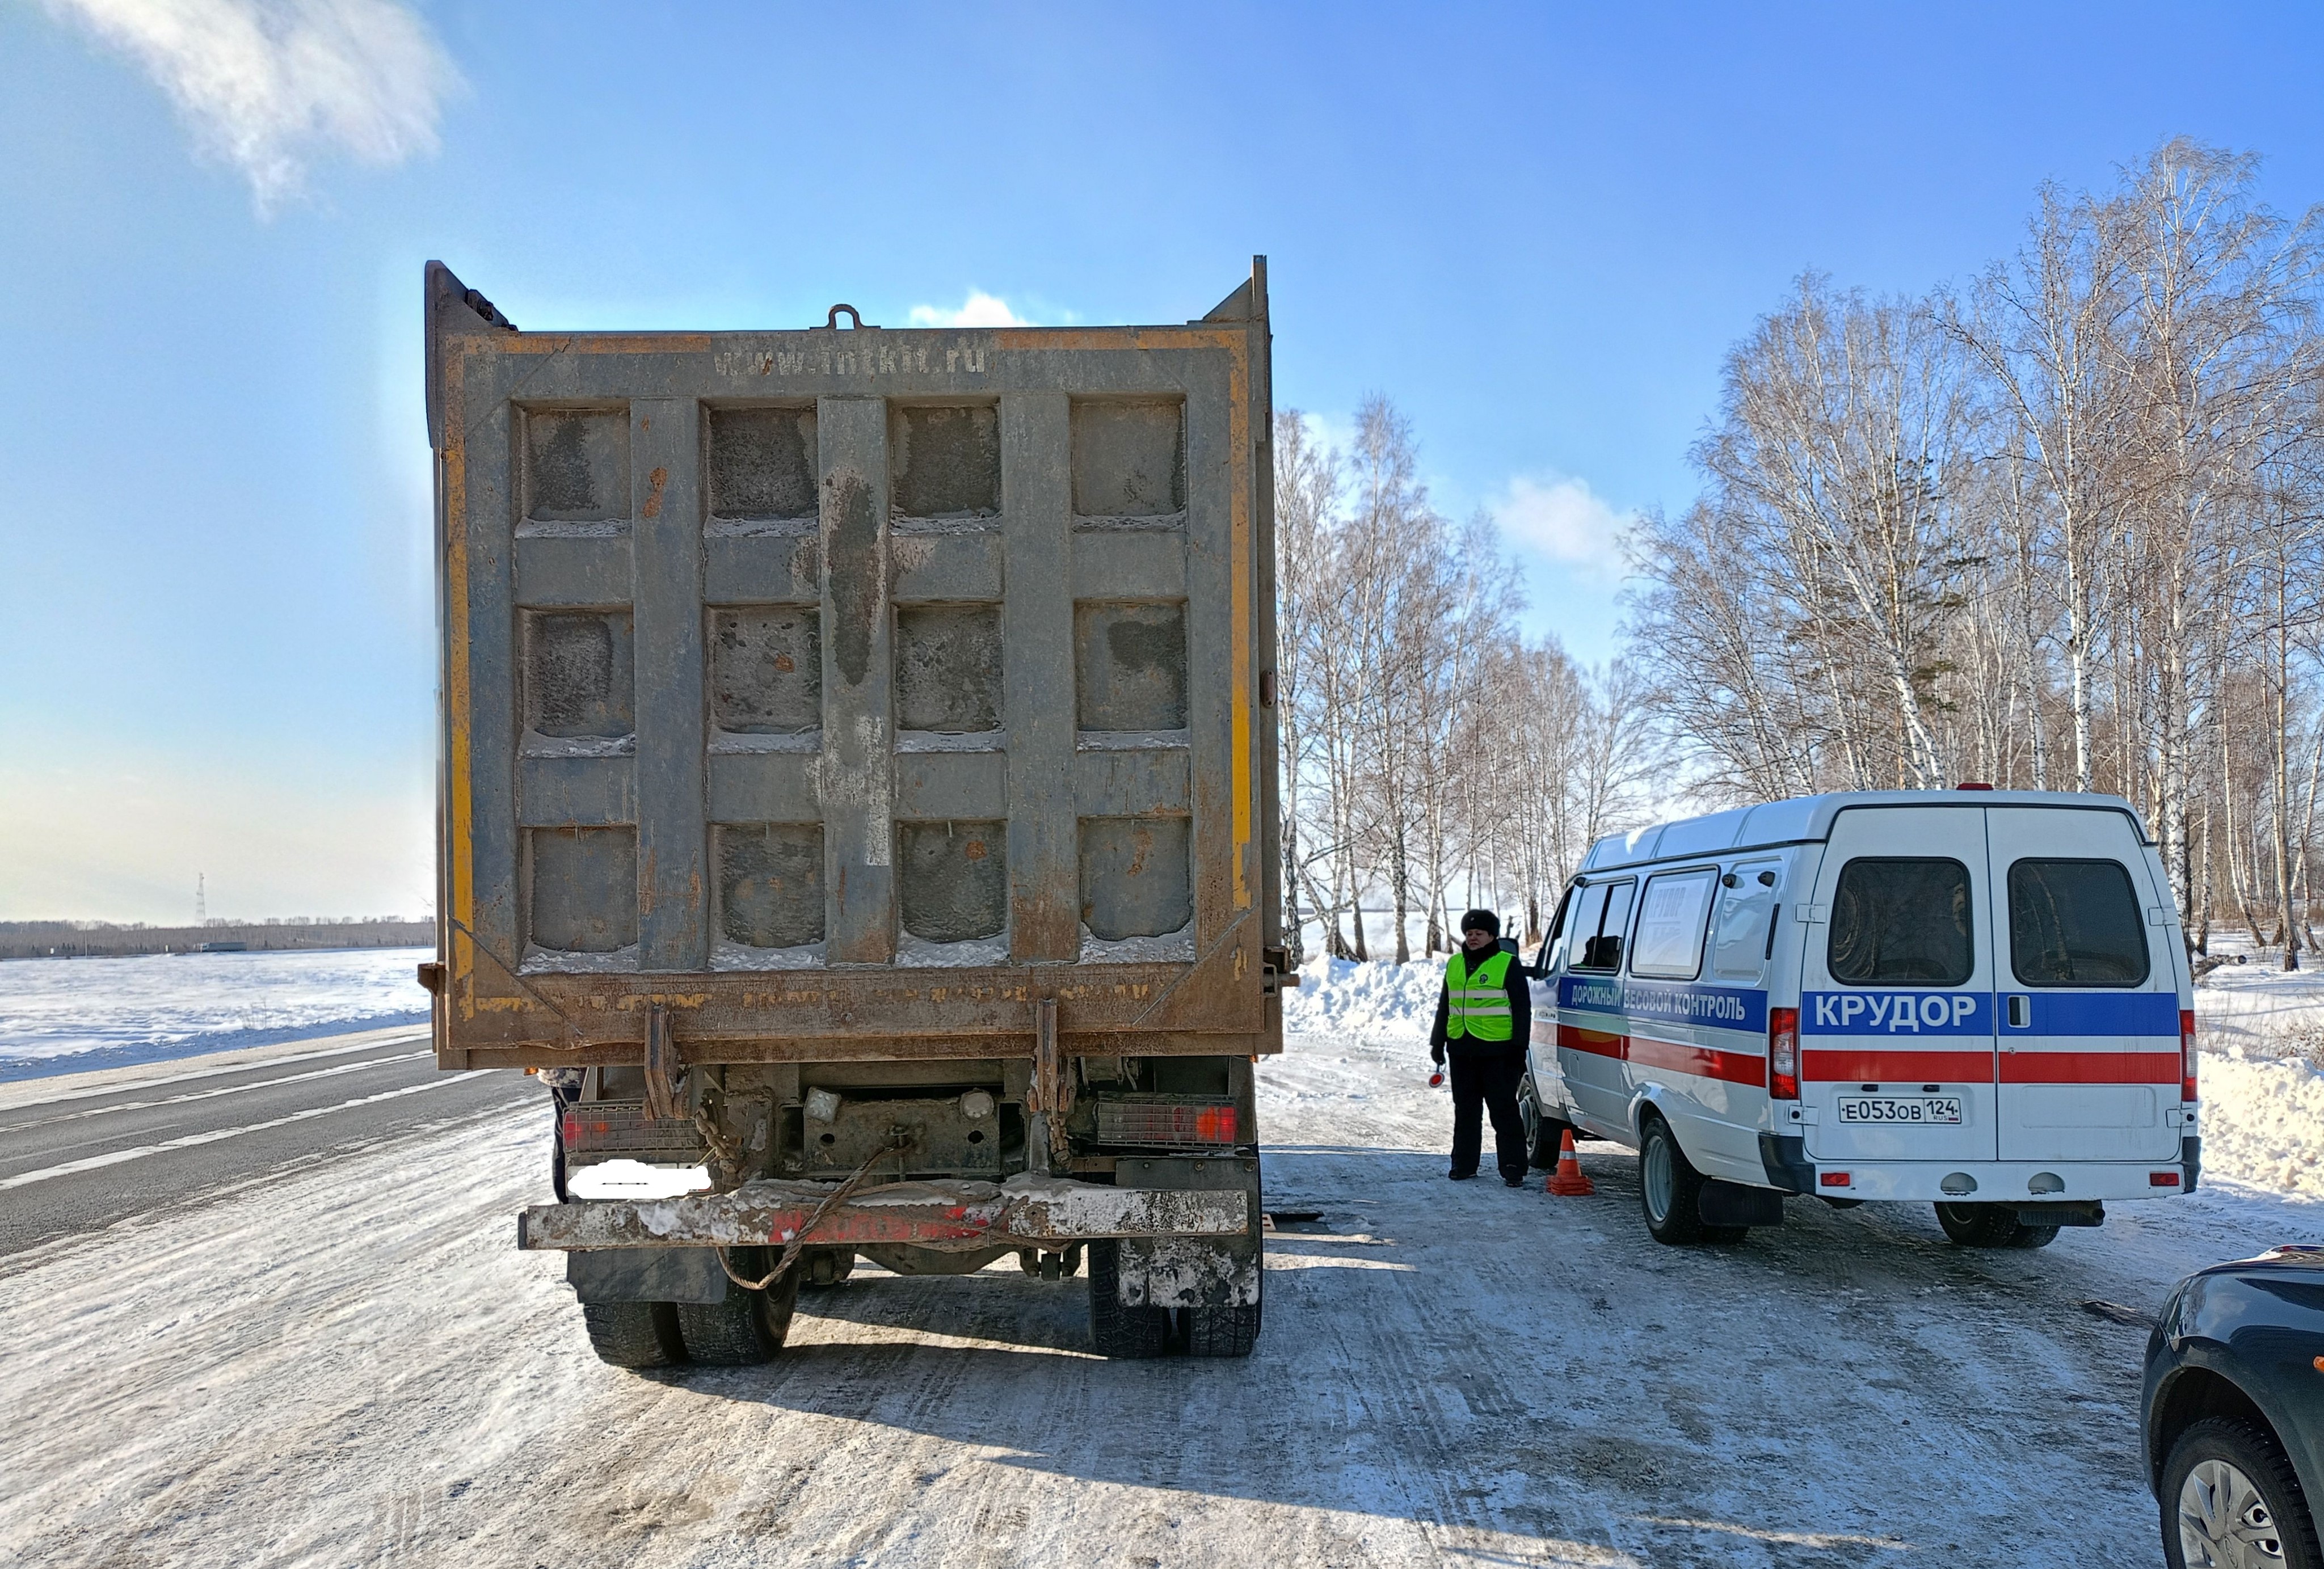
210	1093
116	1157
130	1086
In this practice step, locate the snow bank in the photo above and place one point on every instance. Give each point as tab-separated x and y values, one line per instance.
89	1013
1390	1003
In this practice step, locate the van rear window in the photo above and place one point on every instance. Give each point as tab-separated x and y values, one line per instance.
1901	920
2075	924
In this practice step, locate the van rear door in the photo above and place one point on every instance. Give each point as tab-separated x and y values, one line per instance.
1896	1047
2090	998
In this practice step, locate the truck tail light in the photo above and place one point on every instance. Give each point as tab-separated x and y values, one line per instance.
2187	1055
1784	1054
1165	1121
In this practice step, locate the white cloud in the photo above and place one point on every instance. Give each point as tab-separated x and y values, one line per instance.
270	85
981	310
1564	520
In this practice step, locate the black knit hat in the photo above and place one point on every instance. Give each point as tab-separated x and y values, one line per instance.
1482	920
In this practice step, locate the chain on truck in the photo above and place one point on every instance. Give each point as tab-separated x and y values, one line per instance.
858	796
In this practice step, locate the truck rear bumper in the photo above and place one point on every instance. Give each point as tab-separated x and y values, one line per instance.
953	1217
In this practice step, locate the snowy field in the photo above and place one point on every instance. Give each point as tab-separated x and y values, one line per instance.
58	1014
353	1364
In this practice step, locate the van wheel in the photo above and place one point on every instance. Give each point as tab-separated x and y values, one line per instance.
633	1335
1992	1226
2229	1496
1541	1134
749	1327
1670	1191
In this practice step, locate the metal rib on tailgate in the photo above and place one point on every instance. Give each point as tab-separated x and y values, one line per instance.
954	1215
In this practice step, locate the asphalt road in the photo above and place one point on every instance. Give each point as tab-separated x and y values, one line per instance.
77	1159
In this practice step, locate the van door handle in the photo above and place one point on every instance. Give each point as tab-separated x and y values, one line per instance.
2021	1013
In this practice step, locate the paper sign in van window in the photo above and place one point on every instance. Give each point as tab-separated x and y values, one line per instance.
1902	920
1671	917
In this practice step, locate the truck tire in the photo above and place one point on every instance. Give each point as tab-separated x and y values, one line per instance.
633	1335
1670	1189
749	1327
1116	1330
1542	1134
1227	1331
2230	1495
1992	1226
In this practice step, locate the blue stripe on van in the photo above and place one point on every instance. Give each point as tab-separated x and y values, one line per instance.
2066	1013
1897	1013
1663	1003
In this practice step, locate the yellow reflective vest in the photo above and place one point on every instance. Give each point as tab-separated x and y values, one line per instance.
1477	1001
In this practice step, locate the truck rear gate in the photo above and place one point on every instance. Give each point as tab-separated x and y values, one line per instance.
842	724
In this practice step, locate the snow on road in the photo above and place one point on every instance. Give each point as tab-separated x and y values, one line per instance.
85	1013
353	1364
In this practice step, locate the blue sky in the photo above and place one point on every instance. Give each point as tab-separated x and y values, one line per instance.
1537	228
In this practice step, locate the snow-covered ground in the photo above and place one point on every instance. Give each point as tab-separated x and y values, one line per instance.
85	1013
353	1364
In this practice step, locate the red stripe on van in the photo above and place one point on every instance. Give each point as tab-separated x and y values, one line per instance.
1869	1066
2089	1068
1705	1061
1597	1043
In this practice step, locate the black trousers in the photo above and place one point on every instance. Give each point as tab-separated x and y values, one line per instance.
1484	1082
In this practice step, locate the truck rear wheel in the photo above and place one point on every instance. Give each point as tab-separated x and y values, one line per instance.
633	1335
749	1327
1992	1226
1116	1330
1670	1191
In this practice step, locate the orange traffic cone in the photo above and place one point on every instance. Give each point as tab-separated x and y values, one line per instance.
1567	1181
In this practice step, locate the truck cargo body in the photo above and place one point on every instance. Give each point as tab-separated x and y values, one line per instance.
843	725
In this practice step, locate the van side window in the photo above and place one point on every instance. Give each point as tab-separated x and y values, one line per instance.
1672	914
1554	945
1901	920
2075	924
1598	923
1745	906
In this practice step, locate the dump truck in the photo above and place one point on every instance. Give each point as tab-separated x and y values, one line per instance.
857	803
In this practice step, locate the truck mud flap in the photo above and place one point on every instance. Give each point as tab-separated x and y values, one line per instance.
646	1275
1179	1272
959	1216
1733	1204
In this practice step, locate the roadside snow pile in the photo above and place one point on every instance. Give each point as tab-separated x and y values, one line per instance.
100	1012
1387	1003
2262	1117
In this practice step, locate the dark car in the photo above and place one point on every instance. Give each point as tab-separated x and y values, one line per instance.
2234	1413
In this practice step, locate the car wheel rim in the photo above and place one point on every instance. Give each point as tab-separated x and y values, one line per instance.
2224	1523
1658	1183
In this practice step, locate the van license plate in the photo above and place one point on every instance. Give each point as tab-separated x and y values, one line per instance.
1940	1109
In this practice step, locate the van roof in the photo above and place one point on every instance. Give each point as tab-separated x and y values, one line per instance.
1808	818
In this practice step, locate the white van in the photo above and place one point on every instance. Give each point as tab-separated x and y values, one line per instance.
1976	998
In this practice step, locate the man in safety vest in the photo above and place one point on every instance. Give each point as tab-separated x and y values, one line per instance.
1484	1020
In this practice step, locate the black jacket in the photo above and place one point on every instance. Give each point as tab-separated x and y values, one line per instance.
1519	986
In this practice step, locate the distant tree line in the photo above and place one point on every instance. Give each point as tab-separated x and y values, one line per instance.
1434	758
100	938
2059	529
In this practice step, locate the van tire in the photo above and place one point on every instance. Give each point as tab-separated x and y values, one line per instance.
749	1327
1116	1330
633	1335
1992	1226
1542	1134
1670	1191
